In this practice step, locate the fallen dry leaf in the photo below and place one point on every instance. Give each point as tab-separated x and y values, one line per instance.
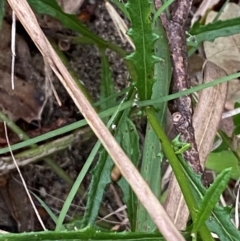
6	219
16	200
224	51
208	112
25	102
70	6
203	8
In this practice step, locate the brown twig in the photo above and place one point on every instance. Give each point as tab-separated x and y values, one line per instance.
182	107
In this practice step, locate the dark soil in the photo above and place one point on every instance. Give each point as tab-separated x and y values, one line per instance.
85	60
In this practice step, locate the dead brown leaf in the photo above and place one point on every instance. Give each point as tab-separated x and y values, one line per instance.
70	6
209	111
16	200
203	8
25	102
225	52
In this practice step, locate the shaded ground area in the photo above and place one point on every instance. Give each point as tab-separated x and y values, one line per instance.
16	213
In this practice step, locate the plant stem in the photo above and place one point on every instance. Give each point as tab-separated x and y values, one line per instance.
177	169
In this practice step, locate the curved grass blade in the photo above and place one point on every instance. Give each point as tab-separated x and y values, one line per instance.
82	174
162	9
101	173
211	198
220	221
71	21
214	30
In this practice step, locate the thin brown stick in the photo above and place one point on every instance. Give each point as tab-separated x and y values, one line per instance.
128	170
182	107
175	205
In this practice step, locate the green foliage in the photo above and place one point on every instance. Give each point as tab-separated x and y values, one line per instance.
227	231
2	11
211	198
162	9
152	151
129	140
143	38
220	220
100	178
219	161
236	120
225	155
106	87
211	31
122	7
82	235
126	135
151	60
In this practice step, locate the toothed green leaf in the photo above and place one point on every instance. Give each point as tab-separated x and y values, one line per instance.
144	38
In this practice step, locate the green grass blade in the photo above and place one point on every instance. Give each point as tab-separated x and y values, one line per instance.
162	9
100	178
129	140
214	30
211	198
106	87
152	152
81	175
188	91
220	219
48	210
75	186
122	7
71	21
143	38
151	172
2	11
112	110
101	173
221	11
